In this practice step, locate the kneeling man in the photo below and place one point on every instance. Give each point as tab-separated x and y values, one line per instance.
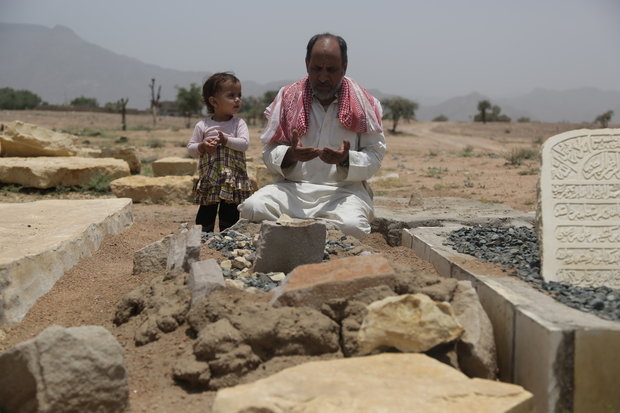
324	139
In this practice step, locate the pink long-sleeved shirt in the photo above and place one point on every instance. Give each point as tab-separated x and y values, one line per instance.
234	129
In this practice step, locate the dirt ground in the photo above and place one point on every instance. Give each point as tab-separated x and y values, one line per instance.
428	159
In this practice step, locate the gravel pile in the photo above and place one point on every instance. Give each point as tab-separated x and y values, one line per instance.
235	245
516	249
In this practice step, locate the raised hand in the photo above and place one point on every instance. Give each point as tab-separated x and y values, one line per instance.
298	153
336	156
222	139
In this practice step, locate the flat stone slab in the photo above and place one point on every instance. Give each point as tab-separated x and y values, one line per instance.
154	188
41	240
580	208
314	284
49	172
565	357
394	214
18	138
175	165
388	383
447	209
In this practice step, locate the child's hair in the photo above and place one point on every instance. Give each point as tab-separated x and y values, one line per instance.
212	86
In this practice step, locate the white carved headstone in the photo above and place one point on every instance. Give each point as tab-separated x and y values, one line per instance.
580	208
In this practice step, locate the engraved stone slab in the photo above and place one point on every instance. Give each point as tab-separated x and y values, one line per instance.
579	208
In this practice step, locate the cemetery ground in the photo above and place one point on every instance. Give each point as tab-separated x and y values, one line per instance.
494	162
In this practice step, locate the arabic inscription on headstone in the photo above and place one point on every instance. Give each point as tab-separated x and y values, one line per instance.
580	208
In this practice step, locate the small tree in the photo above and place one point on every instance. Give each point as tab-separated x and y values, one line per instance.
85	102
496	114
189	102
483	106
253	107
397	108
604	118
122	106
154	100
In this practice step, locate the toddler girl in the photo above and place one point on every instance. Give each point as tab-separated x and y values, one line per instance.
220	141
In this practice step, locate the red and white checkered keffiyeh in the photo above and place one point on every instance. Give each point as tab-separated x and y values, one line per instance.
357	111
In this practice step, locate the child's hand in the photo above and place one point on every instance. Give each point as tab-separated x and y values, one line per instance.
223	139
209	146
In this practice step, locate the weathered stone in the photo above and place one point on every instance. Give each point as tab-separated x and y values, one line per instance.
409	323
127	153
578	215
174	165
389	383
191	372
77	369
48	172
238	330
19	139
177	250
159	306
204	277
153	189
476	347
284	245
315	284
43	239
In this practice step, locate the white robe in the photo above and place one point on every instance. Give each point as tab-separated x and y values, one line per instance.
315	189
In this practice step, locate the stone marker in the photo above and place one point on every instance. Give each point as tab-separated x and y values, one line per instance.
579	208
285	244
204	277
77	369
174	165
409	323
153	189
41	240
19	139
49	172
387	383
175	251
314	284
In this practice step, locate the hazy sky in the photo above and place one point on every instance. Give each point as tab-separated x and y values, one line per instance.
413	48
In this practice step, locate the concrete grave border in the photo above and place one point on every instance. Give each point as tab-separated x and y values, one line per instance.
566	358
50	247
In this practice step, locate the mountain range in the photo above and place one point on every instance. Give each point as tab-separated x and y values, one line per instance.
59	66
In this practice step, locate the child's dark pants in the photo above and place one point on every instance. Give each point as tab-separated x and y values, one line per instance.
227	214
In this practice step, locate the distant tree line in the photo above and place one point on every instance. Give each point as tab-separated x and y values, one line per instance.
11	99
189	104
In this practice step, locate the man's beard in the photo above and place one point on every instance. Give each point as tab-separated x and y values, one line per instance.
326	95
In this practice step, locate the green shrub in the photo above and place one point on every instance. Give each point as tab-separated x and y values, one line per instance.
435	172
99	183
85	102
155	143
13	188
517	156
467	151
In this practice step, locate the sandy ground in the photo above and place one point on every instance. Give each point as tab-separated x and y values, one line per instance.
427	159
